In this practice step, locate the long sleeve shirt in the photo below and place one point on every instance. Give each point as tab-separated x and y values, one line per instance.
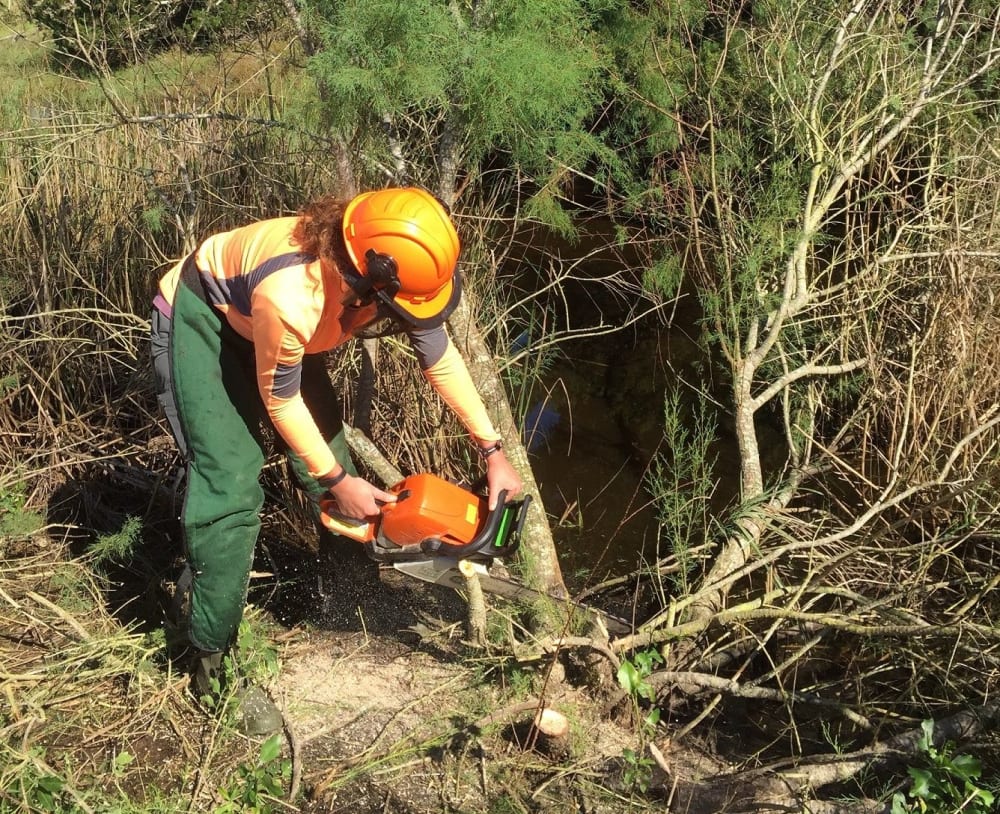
289	304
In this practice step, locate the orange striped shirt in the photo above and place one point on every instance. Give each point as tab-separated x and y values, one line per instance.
288	304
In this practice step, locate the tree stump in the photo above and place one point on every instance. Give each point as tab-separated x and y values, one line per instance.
549	734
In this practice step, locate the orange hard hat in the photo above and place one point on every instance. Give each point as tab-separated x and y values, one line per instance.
405	247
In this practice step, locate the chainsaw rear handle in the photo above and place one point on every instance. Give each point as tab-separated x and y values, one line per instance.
499	537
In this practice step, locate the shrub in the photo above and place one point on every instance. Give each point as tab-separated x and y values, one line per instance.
113	33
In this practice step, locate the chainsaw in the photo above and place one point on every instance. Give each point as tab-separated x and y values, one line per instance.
434	525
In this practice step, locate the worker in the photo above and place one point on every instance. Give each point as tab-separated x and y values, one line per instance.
237	331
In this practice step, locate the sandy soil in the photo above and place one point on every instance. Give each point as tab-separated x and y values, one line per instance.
382	697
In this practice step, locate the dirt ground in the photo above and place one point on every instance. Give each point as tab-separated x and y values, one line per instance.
389	709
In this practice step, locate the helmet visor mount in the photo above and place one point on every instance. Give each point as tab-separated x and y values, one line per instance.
380	281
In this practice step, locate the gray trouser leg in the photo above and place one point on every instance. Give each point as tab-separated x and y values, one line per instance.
159	344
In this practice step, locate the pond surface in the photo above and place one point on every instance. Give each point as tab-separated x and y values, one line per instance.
602	402
590	474
587	460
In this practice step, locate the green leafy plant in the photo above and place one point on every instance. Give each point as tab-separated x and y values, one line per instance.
38	788
682	480
506	804
255	785
120	764
633	673
44	793
638	770
521	683
254	660
632	677
258	657
948	782
15	519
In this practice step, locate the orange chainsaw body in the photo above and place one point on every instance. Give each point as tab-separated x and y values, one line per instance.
426	507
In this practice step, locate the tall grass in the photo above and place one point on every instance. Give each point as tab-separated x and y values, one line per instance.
103	181
100	188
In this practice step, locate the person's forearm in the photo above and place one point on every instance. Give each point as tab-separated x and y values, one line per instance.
450	377
294	423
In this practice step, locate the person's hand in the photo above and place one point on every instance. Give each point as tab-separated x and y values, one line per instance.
501	476
357	498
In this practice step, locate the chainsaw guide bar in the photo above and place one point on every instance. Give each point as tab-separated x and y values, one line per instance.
445	571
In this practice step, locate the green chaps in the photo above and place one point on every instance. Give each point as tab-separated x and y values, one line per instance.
212	385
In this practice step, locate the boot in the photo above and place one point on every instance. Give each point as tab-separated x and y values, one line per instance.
206	673
258	714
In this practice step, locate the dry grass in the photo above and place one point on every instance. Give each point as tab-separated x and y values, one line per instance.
94	204
79	689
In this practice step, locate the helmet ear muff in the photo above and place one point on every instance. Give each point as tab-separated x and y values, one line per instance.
403	248
380	278
382	272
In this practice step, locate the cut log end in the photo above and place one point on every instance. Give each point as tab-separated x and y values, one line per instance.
549	734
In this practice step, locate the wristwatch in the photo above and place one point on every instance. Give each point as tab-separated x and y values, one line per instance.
485	452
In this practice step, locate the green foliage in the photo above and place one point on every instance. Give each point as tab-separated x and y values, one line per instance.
664	277
254	660
75	589
21	51
118	545
377	58
545	208
258	655
94	33
512	76
681	479
207	23
633	673
947	782
40	790
650	76
120	763
531	77
638	770
254	786
12	499
15	519
506	804
154	218
109	30
520	682
221	698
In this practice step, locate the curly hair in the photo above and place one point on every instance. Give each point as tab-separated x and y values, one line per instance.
319	231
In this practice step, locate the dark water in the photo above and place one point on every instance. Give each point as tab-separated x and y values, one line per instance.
590	474
588	461
605	397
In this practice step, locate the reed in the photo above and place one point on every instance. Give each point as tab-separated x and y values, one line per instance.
99	190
